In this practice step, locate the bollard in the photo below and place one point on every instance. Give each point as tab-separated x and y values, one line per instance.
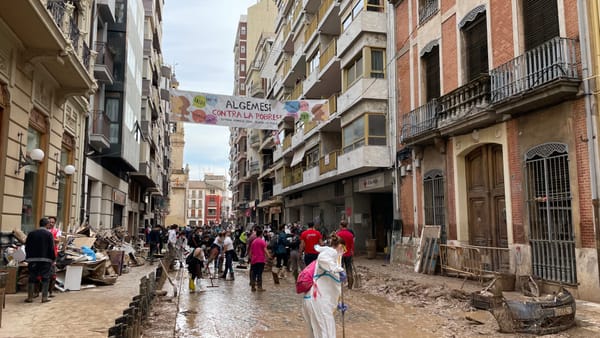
116	331
137	322
129	313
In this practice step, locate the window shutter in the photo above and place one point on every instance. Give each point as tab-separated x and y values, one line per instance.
476	45
431	62
540	18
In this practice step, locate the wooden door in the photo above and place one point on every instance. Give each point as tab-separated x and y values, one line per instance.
485	197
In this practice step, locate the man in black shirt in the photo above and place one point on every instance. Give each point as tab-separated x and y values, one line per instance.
39	253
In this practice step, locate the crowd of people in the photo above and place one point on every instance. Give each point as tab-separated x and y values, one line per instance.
210	251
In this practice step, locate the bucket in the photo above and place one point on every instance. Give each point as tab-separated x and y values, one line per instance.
371	248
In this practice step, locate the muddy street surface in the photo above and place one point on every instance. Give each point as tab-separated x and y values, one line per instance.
390	302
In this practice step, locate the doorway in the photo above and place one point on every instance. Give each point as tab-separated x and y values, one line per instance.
485	197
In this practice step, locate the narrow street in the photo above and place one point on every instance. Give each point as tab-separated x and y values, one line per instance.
391	302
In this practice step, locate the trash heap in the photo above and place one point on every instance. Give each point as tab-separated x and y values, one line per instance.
102	256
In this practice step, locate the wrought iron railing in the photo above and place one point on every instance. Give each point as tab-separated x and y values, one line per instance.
420	120
464	100
552	60
474	261
85	56
427	8
57	10
74	34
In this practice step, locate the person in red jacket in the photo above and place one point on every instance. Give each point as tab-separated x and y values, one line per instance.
308	239
348	238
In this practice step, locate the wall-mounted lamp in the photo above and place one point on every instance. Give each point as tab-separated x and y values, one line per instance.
34	156
402	171
67	171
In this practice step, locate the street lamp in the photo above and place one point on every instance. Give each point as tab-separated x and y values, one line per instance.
68	170
34	156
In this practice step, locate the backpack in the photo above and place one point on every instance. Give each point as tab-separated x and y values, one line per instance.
305	278
281	243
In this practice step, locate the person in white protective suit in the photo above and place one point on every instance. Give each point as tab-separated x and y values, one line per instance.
321	300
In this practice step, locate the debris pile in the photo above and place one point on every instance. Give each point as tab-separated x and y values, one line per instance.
85	256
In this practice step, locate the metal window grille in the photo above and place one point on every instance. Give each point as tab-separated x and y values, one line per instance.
433	190
549	209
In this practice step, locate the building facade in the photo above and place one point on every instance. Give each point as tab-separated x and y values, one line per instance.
254	37
128	149
206	201
496	138
46	77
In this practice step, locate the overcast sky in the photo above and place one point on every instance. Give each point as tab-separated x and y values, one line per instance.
198	40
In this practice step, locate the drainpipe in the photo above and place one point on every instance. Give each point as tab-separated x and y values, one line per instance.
392	107
589	99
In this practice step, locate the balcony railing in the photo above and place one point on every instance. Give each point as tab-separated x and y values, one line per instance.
328	162
427	8
552	60
85	56
464	100
74	34
420	120
298	90
57	10
254	168
311	28
266	195
332	104
100	124
327	54
287	142
297	174
325	5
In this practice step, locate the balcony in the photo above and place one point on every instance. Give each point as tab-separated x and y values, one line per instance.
365	22
100	133
298	91
466	108
363	159
103	68
106	10
241	132
47	32
146	129
311	29
329	17
543	76
363	89
420	124
254	168
287	142
256	90
328	162
254	140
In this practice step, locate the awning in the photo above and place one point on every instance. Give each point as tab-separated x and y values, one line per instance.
298	156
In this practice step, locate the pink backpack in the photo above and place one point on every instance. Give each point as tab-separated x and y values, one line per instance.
305	278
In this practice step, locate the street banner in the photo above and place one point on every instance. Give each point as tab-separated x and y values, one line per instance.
242	112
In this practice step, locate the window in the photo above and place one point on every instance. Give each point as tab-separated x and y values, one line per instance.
312	157
431	64
33	180
540	22
64	183
313	63
242	67
243	49
212	192
427	8
212	212
433	193
112	105
475	34
374	61
243	30
375	5
354	71
373	131
352	15
550	214
377	57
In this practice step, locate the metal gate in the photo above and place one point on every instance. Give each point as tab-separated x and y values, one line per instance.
434	205
549	210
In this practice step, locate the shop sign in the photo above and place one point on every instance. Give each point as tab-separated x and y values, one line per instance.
371	182
119	197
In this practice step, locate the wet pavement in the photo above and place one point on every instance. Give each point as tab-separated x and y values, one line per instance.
392	302
231	309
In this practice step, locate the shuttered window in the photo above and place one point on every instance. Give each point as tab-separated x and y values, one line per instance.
476	47
431	62
540	22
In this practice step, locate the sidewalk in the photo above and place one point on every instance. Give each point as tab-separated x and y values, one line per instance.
86	313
